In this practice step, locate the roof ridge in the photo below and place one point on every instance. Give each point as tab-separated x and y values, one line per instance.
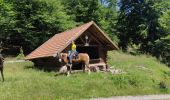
91	22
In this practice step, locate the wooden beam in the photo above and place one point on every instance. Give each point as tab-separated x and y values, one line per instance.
96	38
89	40
82	40
92	37
80	45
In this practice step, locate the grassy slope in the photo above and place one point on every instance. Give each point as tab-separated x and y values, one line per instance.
143	75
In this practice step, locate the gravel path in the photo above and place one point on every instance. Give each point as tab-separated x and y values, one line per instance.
14	61
144	97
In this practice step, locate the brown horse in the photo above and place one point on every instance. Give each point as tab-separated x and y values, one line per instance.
82	57
1	66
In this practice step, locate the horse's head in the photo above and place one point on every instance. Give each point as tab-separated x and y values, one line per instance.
61	57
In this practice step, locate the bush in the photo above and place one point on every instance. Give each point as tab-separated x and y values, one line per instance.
21	54
162	50
162	85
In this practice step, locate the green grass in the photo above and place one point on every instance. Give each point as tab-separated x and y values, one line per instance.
143	75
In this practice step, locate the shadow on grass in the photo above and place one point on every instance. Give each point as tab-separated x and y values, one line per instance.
54	69
72	73
45	69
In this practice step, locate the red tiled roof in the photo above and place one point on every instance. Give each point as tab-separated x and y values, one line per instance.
58	42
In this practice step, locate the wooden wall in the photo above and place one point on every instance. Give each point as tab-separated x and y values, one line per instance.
47	64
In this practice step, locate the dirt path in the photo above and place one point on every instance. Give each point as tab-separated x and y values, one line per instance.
14	61
144	97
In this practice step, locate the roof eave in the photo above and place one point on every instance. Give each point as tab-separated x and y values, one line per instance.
33	58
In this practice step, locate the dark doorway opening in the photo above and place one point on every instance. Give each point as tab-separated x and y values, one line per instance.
77	66
92	51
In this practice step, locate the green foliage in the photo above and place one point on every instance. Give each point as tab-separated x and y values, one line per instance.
102	12
21	54
164	20
138	24
34	22
163	85
145	23
7	21
84	11
28	23
162	50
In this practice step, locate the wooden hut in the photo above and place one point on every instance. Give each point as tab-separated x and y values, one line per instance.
88	37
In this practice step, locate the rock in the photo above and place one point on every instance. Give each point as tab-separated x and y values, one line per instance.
63	70
116	71
94	69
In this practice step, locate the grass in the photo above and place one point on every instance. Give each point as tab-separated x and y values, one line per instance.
143	75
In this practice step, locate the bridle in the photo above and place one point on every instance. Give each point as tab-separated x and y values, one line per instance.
59	57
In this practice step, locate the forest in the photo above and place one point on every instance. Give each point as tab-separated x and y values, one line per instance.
136	26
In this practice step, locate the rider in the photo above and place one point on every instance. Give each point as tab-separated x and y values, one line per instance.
72	52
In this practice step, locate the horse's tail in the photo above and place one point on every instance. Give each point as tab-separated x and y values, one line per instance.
88	58
88	63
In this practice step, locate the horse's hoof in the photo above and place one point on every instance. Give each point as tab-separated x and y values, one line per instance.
68	75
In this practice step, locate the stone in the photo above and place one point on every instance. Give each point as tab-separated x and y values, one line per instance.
94	68
63	70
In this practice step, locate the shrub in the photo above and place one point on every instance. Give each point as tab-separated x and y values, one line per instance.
21	54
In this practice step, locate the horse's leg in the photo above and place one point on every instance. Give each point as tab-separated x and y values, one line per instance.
2	73
87	66
69	70
89	69
71	67
68	73
83	67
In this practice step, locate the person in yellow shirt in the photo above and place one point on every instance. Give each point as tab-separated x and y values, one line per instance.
72	52
73	47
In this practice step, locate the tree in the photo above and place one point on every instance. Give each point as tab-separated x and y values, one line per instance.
7	22
164	20
145	23
162	49
36	21
138	24
102	12
162	45
110	15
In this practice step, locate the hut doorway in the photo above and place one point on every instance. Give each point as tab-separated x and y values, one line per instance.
92	51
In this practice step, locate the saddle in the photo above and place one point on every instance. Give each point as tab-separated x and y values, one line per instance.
75	56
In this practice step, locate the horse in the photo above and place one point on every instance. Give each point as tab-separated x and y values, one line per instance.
81	57
1	66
